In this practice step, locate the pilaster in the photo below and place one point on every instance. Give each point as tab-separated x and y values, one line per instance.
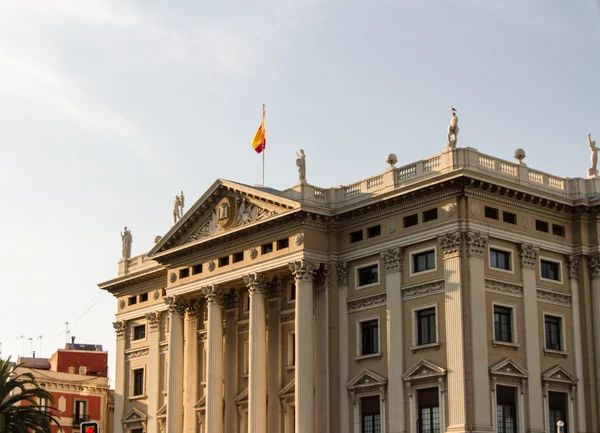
257	372
321	283
190	370
594	264
529	261
274	356
153	326
175	378
450	246
215	298
342	282
482	415
120	330
304	372
392	260
231	372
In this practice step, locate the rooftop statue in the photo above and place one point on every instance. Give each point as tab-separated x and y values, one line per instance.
452	130
593	170
126	240
178	205
301	164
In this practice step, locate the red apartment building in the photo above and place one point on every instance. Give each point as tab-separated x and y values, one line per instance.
77	377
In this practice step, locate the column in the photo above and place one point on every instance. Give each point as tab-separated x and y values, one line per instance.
257	359
231	311
573	268
190	370
322	349
153	326
175	383
304	372
342	282
395	347
476	245
120	375
529	263
450	245
594	263
214	363
274	357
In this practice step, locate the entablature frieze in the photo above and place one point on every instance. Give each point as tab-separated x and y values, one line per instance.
366	302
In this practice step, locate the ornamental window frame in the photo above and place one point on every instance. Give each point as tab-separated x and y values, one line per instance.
560	264
412	272
511	259
132	371
513	324
562	332
357	268
359	349
415	326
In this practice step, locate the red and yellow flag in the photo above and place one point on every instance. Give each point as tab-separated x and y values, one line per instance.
259	142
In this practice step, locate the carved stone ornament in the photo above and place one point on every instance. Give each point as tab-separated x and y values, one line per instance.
476	244
225	212
215	294
554	298
509	289
392	259
422	290
139	353
211	265
366	302
155	295
594	264
274	288
287	317
342	273
302	270
193	309
120	328
153	319
121	304
320	277
256	284
231	299
172	277
298	239
450	244
529	256
573	267
527	222
243	327
176	305
450	209
475	209
391	227
252	253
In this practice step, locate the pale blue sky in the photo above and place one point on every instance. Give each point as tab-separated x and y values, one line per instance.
110	108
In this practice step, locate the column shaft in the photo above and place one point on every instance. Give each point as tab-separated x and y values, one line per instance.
120	328
395	339
577	347
190	370
322	349
594	263
214	363
342	281
274	365
231	367
153	325
175	378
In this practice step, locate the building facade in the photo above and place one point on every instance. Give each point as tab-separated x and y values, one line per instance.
460	293
76	376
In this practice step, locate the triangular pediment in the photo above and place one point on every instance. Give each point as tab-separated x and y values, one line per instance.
162	412
424	369
366	379
225	207
508	367
558	374
134	415
201	404
290	388
242	397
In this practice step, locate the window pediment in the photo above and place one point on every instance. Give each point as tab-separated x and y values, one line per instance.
424	370
508	367
134	415
162	412
289	389
365	381
560	375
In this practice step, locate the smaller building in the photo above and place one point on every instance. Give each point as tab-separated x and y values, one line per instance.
77	378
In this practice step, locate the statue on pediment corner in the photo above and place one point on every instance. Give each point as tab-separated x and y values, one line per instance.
301	164
126	241
593	170
452	130
178	206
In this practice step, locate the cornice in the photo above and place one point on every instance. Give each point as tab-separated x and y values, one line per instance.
134	278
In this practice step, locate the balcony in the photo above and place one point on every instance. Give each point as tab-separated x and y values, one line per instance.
78	419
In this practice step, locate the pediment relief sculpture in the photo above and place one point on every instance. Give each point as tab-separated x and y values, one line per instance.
508	367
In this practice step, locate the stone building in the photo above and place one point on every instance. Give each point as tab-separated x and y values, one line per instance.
460	293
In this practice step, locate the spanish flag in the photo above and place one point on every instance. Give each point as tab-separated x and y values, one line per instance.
259	142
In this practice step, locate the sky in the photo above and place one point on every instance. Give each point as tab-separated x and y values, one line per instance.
108	109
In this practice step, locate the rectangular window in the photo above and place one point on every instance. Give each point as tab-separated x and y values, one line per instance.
184	273
356	236
500	259
238	257
43	403
503	324
138	381
426	329
144	297
411	220
223	261
541	226
266	248
197	269
80	411
373	231
132	300
139	332
283	243
491	212
423	261
368	275
369	331
558	230
557	409
429	410
430	215
509	217
292	293
246	303
550	270
506	409
553	332
370	414
291	349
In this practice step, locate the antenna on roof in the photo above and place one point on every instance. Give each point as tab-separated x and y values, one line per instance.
39	337
30	344
68	332
22	338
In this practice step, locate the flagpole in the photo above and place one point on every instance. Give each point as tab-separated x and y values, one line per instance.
264	146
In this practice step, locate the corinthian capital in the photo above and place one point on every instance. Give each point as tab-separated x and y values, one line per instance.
215	294
256	283
392	259
176	305
573	267
153	319
321	277
302	270
119	329
529	255
594	264
342	274
193	309
450	244
476	244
